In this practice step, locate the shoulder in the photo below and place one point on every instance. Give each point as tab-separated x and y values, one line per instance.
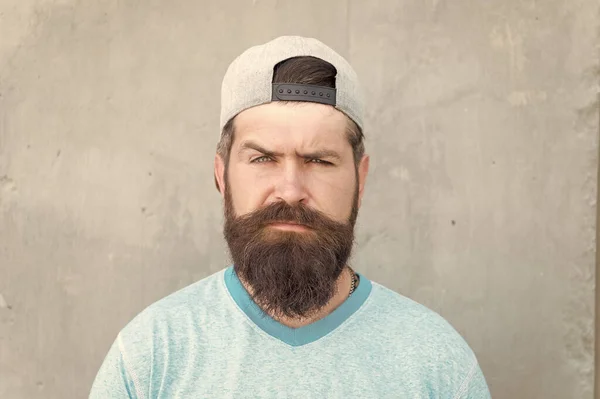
176	311
159	334
420	337
413	319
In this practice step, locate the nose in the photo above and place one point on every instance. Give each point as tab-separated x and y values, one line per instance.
290	187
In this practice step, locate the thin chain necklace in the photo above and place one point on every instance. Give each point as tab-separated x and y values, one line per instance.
354	282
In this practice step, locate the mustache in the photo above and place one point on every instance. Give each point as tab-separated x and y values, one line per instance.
282	212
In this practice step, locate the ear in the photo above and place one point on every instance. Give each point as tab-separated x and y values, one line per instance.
363	171
220	174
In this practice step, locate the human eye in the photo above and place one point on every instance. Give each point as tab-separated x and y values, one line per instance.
319	161
261	159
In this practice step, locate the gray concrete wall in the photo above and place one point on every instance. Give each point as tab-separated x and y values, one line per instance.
482	126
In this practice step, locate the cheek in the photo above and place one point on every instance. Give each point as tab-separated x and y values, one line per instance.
334	196
246	194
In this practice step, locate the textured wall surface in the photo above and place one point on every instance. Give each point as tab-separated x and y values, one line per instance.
482	127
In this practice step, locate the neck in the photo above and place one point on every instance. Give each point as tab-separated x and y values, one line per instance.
342	290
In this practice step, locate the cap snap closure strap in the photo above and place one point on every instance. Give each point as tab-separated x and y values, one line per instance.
302	92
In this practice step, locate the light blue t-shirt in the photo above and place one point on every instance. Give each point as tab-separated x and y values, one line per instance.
210	340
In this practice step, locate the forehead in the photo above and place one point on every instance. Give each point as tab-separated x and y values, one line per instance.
293	124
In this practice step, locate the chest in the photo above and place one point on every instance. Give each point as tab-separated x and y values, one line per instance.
260	371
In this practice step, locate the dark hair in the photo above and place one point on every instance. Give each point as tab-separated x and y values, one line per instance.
306	70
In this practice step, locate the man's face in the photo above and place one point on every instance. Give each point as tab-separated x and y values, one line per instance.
307	158
292	192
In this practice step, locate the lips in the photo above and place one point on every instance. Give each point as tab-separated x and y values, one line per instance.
289	223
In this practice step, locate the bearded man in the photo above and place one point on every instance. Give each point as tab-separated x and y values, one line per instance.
290	318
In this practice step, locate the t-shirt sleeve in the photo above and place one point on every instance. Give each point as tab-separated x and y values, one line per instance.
115	379
474	385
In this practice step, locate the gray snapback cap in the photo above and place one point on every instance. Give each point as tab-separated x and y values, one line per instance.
248	81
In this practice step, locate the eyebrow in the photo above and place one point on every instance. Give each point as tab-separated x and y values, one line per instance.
250	145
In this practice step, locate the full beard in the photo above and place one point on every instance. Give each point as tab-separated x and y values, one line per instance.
291	274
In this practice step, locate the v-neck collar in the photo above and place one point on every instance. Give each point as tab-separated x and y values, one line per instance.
296	336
